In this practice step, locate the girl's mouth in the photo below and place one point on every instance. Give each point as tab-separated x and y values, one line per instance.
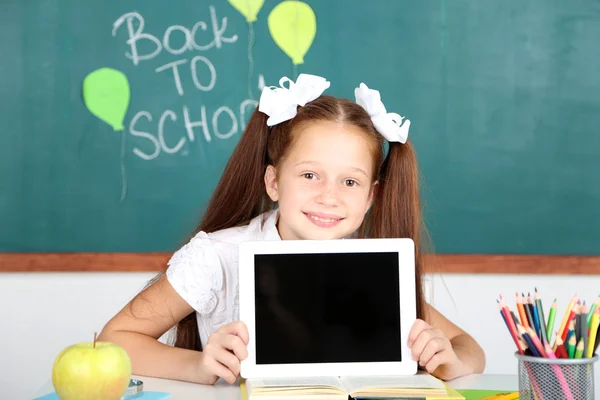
323	220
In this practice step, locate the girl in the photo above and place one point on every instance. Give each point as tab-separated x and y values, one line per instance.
308	166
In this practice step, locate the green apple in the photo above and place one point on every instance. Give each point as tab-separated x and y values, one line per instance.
91	371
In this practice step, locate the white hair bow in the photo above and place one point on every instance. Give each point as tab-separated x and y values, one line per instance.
281	103
388	124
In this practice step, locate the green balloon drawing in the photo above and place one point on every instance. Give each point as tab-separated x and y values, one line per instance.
106	95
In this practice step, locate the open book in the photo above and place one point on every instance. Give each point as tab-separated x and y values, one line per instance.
420	386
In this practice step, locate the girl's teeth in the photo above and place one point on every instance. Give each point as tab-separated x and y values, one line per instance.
322	219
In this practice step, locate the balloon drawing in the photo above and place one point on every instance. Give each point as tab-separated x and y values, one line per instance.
293	26
106	95
248	8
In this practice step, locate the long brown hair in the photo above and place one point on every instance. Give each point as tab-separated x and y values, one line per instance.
241	194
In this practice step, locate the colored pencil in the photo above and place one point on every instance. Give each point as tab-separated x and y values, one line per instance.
593	332
577	320
536	317
536	342
529	303
523	345
561	351
551	318
570	327
584	331
521	311
503	396
508	316
527	307
597	342
511	329
541	316
566	318
591	311
515	318
579	350
571	345
535	351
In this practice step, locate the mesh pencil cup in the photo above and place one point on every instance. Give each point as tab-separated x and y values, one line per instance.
556	379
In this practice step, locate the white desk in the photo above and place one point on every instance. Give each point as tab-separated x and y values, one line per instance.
223	391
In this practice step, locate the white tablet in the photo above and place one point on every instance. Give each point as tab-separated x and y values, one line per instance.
327	308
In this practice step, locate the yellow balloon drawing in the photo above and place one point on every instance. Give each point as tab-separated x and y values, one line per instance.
293	26
248	8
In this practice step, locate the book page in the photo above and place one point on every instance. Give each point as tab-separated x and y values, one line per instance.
420	381
317	388
330	381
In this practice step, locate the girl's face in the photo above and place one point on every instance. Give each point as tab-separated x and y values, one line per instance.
324	186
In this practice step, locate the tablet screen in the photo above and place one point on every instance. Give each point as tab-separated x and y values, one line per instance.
327	308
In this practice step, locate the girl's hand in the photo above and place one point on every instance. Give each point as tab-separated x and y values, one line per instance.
433	351
223	352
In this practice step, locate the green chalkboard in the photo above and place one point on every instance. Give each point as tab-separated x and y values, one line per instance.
504	99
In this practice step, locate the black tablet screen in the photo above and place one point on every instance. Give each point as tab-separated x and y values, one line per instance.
327	308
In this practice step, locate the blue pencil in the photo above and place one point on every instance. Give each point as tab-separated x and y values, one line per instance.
536	319
531	345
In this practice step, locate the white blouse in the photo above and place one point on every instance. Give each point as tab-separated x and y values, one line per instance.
204	272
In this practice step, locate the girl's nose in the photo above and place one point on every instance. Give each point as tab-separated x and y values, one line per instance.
328	195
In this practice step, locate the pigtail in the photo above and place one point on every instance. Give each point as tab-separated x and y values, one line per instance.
396	210
240	194
239	197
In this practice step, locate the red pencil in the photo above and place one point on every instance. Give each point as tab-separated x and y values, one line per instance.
560	349
512	328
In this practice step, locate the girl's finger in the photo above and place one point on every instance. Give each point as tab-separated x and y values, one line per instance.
435	362
216	368
235	344
418	327
237	328
229	360
433	347
420	343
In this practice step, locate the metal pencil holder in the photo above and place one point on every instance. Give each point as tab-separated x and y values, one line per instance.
556	379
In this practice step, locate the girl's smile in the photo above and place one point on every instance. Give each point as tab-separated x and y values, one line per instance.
323	220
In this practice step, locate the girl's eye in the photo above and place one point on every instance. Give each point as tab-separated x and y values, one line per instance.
350	182
309	175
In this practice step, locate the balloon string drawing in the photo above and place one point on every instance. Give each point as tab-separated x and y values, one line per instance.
249	9
106	95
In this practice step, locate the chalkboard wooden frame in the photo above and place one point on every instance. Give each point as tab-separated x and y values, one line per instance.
439	264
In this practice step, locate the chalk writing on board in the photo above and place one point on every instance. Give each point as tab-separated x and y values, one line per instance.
191	42
203	74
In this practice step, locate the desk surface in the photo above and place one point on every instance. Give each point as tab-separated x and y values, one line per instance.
223	391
